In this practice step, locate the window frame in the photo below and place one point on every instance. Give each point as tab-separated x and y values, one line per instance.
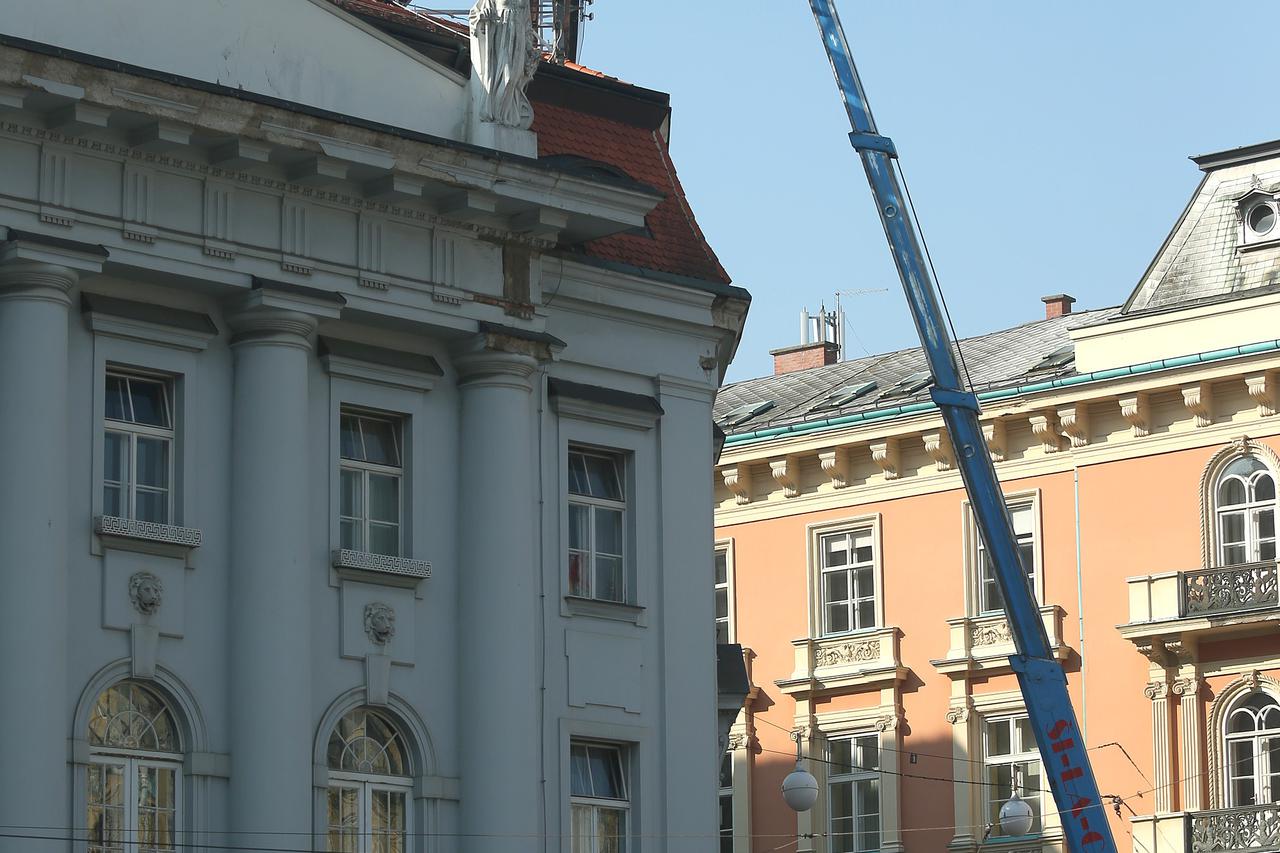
622	461
853	777
597	804
816	534
133	431
1250	511
1012	758
1262	769
723	792
367	784
364	469
725	546
973	552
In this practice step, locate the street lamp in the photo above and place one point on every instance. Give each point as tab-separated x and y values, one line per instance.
1016	815
799	789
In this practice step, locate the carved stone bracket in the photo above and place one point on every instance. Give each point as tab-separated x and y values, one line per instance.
888	723
996	434
738	740
786	472
887	456
1074	420
145	592
1044	426
737	479
1198	398
1156	690
1136	411
938	446
1262	389
835	464
1187	685
959	713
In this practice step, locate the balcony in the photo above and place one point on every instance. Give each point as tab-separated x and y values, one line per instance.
1238	829
1227	601
984	643
864	660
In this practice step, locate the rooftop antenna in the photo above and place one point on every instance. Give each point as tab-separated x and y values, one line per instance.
559	24
841	325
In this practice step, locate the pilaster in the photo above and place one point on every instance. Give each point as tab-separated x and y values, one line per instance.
1187	687
1157	691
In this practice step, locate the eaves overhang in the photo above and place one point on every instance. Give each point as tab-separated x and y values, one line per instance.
1238	156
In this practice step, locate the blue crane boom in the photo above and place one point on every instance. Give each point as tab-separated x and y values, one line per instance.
1043	683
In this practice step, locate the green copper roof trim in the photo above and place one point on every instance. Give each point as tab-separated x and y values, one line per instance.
1004	393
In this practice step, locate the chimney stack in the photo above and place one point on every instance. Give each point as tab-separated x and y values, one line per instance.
1056	305
804	356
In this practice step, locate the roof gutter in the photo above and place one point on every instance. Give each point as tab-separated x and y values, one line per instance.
1005	393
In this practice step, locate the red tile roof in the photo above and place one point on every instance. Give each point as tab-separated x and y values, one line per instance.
677	244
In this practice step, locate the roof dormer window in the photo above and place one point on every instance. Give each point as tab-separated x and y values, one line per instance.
1259	213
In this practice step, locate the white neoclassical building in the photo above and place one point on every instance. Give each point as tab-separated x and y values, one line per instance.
354	428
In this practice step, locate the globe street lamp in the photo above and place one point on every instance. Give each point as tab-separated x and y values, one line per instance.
799	789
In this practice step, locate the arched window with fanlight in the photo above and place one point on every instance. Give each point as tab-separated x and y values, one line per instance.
1253	751
1245	509
134	773
370	783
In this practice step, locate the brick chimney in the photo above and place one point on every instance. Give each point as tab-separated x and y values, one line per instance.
803	356
1056	305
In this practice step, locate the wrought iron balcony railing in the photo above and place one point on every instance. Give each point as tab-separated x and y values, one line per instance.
1240	829
1208	592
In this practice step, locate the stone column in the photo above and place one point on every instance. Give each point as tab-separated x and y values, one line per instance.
1191	719
890	782
962	719
35	708
499	584
1161	743
272	572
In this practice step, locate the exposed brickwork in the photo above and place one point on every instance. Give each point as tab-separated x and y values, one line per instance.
803	357
1056	305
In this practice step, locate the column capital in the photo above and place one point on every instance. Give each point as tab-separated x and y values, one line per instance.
495	368
37	280
36	266
280	313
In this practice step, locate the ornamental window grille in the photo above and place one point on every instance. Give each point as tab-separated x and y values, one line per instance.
848	581
1245	512
372	476
135	772
723	591
137	458
1252	748
1012	763
368	799
853	793
990	598
597	525
726	803
599	798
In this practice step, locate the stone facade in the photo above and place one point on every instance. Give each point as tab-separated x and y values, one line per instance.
271	279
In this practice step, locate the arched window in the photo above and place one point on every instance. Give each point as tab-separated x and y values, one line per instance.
369	785
135	770
1253	751
1245	505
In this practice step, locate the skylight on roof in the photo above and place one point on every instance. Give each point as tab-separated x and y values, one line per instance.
745	412
909	385
1055	360
846	394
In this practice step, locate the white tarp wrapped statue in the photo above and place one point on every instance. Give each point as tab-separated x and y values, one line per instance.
504	55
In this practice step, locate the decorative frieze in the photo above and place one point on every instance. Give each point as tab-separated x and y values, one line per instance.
344	558
1074	421
1044	426
990	633
737	479
1136	411
938	446
847	653
108	525
786	472
1262	389
996	435
887	457
835	464
1198	399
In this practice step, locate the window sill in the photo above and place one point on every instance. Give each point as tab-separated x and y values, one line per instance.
869	659
984	643
399	567
146	536
576	605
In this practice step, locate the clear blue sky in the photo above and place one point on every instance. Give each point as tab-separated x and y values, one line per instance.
1046	144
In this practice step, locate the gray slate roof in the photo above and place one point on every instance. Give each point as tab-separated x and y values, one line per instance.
1199	261
995	360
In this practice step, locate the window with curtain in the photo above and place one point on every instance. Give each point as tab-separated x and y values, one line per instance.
370	785
134	773
1245	510
597	525
1253	751
599	798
